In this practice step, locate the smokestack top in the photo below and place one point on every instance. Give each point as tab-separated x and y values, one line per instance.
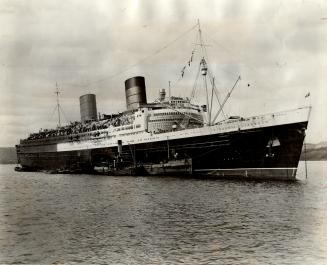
87	95
135	81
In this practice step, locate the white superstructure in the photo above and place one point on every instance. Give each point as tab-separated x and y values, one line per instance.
110	137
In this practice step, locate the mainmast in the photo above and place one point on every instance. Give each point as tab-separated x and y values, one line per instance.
58	105
204	70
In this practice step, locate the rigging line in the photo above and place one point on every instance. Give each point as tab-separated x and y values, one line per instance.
228	51
244	59
54	109
211	80
205	53
223	47
231	53
226	98
204	50
180	77
213	85
190	63
195	82
62	111
200	37
216	93
57	92
142	60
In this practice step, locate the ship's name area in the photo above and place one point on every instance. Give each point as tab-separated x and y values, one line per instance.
281	118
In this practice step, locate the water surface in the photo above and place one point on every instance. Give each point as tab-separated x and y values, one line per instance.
85	219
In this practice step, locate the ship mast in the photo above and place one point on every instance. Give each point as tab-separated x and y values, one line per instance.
58	104
204	70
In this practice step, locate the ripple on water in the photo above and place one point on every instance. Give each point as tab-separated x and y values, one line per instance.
82	219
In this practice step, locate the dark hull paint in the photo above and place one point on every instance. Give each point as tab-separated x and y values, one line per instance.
235	154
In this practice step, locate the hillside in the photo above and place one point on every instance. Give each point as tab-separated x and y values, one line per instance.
315	152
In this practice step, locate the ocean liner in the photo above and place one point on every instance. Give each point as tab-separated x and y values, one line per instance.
171	136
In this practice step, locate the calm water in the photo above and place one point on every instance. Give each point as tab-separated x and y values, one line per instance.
83	219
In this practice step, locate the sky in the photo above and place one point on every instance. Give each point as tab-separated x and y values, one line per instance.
277	47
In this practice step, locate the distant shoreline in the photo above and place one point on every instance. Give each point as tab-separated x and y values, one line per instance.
315	153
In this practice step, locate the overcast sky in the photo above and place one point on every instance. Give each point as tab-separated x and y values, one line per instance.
279	48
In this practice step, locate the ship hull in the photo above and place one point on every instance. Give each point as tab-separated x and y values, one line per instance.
259	153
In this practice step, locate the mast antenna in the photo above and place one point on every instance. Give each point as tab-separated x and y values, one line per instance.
169	89
58	104
200	37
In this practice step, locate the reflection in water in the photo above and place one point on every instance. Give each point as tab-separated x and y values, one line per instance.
149	220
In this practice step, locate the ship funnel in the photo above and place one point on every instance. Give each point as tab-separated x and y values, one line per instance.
162	94
135	92
88	107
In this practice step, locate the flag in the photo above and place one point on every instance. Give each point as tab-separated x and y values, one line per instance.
307	95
